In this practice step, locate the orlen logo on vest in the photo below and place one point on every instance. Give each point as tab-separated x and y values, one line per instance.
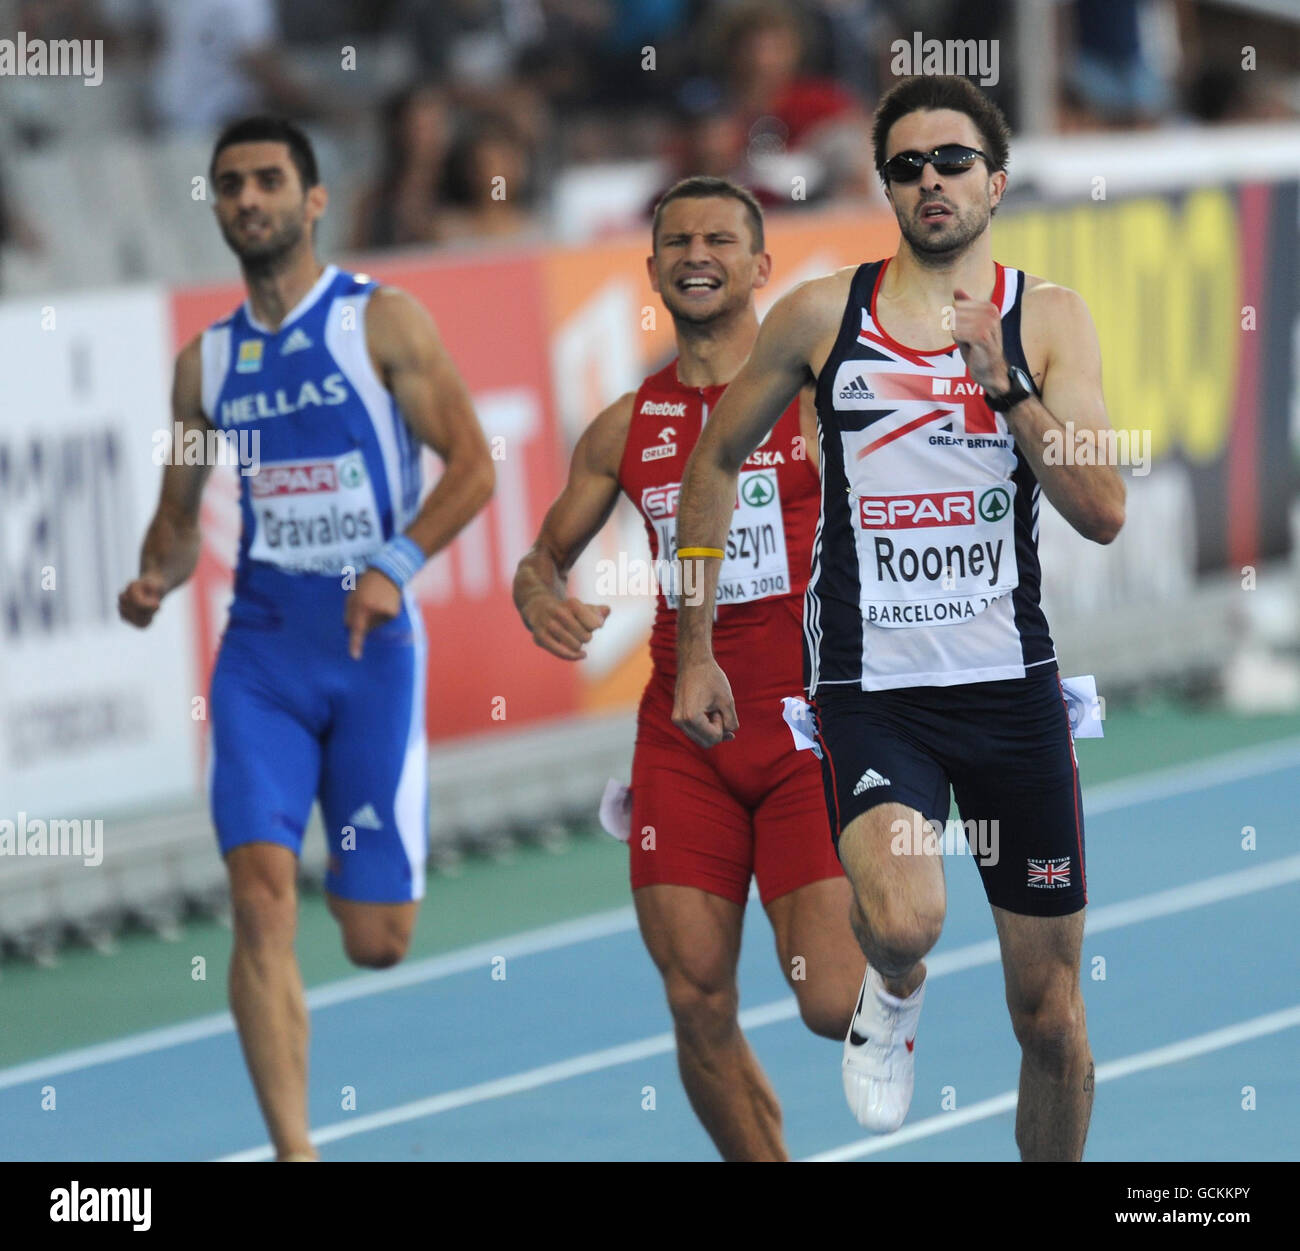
305	478
652	408
913	512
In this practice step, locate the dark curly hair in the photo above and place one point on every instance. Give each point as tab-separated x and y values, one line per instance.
270	130
936	91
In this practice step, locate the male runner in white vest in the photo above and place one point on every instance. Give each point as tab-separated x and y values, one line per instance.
941	378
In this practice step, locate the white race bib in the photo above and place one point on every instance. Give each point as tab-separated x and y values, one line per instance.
755	566
937	557
314	516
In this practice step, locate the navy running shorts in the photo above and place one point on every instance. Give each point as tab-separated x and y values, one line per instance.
1005	750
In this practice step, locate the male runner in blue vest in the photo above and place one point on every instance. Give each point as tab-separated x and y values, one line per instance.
318	690
942	379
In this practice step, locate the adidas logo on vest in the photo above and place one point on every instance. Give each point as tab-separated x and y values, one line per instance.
869	779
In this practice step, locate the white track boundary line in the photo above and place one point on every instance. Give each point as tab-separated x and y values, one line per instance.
1113	916
432	968
1196	775
1110	796
1201	1044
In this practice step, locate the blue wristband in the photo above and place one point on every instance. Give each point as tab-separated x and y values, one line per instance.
399	559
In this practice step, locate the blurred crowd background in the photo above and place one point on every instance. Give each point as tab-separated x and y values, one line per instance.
586	108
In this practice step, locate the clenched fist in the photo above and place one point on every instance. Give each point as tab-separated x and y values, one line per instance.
703	707
141	599
564	626
977	331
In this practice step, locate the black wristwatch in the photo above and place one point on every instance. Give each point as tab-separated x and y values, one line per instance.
1021	388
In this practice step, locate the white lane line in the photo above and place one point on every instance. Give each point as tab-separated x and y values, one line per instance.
530	942
1158	1057
1157	784
1114	916
1196	775
531	1079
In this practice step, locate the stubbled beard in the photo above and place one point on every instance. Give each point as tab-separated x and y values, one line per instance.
269	252
931	251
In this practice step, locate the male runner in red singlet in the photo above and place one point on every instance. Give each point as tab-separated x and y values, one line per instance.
941	379
703	822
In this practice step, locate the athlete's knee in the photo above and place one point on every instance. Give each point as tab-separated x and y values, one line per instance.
263	913
896	933
1050	1025
704	1006
376	947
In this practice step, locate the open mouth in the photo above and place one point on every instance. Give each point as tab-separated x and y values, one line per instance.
935	212
698	283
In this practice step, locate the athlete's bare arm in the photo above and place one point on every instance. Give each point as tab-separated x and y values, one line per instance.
1060	343
412	363
791	343
808	425
171	544
559	623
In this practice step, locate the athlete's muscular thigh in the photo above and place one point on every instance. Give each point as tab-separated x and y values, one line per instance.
896	873
693	937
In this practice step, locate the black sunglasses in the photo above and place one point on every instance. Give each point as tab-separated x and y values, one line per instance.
950	158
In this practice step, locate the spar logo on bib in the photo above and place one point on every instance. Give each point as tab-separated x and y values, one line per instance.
314	515
938	557
759	490
660	503
994	504
352	471
914	512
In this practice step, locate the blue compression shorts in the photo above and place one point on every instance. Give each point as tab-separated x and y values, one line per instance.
295	719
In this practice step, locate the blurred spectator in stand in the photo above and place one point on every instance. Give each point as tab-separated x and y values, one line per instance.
785	111
488	189
218	60
1223	94
401	207
1242	63
15	229
1110	77
707	140
468	41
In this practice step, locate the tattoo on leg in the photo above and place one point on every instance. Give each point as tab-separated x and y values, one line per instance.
1090	1081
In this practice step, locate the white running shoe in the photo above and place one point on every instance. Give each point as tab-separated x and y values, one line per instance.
879	1067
